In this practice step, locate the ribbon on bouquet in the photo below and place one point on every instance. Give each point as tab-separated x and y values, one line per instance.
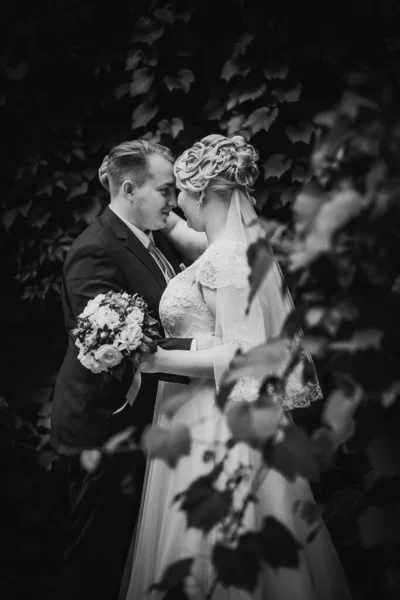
135	387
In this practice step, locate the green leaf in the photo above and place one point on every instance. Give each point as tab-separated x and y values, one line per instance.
288	96
252	93
204	505
293	454
122	90
80	190
391	394
234	124
143	114
338	413
114	443
242	44
364	339
253	422
302	133
279	547
276	72
384	456
165	14
8	217
186	78
261	260
262	118
133	60
371	524
17	73
79	153
276	165
258	362
174	575
141	82
229	70
176	127
167	444
236	567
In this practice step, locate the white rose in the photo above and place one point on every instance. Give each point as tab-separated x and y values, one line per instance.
89	362
130	337
105	316
93	305
108	356
135	316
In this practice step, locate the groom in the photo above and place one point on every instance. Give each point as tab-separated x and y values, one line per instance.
118	251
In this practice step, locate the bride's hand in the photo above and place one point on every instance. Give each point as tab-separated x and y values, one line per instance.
103	176
153	363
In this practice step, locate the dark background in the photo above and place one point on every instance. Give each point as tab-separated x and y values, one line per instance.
78	78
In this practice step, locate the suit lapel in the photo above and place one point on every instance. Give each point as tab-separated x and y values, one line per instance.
134	245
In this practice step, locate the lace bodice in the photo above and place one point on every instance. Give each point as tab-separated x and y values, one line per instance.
184	312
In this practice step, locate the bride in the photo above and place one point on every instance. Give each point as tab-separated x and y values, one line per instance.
215	178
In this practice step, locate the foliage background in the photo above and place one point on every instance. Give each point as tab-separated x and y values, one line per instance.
78	78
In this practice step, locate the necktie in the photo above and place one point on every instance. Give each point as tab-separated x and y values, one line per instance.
161	261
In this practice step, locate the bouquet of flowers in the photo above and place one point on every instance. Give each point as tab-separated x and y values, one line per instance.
114	326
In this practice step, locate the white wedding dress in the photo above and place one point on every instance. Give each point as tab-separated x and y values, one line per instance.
162	534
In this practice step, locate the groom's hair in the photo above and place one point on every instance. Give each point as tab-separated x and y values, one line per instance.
131	160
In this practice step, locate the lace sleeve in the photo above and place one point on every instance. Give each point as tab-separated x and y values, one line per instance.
224	264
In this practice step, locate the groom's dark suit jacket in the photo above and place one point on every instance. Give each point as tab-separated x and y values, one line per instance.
106	256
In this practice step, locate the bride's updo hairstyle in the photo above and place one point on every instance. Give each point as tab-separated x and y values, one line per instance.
218	163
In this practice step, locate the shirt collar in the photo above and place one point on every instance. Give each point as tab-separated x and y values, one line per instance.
141	235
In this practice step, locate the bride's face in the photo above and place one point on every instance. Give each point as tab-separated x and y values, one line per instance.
188	203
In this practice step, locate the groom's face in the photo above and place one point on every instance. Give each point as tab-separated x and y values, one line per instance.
155	199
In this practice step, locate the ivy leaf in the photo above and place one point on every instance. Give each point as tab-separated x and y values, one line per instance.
253	422
288	96
122	90
79	153
116	441
301	174
258	362
364	339
143	114
164	14
174	575
242	44
176	127
229	70
252	93
371	524
261	260
17	73
293	454
186	78
338	413
276	72
384	456
262	118
205	506
141	83
279	547
8	217
391	394
301	133
276	165
80	190
148	37
169	445
133	60
236	567
234	124
309	511
91	209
